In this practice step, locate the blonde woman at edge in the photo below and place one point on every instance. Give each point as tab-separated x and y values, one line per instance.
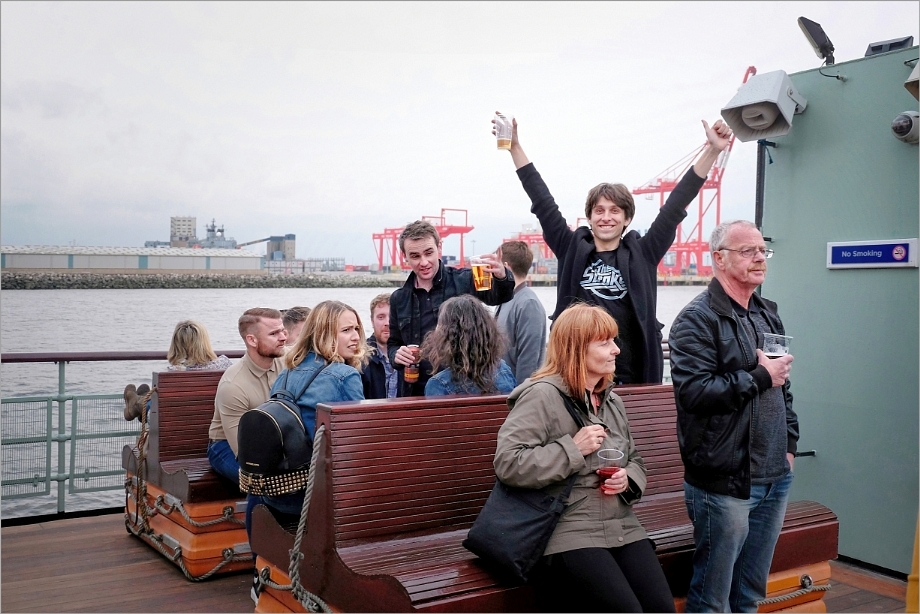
189	350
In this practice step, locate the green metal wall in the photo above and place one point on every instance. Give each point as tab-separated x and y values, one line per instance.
840	175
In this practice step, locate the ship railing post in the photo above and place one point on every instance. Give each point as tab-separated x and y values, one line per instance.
62	432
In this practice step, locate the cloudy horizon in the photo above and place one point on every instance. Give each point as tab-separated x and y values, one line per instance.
334	120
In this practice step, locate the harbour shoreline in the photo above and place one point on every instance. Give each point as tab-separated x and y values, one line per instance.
159	281
34	280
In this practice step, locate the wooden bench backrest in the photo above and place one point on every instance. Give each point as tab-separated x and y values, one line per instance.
184	402
449	443
653	422
405	465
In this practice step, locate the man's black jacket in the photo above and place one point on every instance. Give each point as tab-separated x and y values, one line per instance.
717	381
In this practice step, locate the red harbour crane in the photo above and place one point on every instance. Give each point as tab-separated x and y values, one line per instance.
690	253
536	238
386	243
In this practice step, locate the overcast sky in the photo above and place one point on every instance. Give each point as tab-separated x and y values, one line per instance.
336	120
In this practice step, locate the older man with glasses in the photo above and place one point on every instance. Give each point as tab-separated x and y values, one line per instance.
735	425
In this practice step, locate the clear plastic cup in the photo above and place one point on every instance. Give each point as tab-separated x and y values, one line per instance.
611	460
504	125
775	345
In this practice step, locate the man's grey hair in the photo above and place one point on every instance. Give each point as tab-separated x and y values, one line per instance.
717	239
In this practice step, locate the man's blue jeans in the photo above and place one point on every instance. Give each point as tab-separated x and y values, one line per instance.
735	539
223	461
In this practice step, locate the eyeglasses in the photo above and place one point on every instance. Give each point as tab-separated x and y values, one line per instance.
748	252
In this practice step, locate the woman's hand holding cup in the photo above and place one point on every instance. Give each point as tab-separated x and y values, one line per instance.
616	483
613	475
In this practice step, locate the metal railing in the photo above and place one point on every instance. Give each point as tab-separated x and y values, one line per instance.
39	446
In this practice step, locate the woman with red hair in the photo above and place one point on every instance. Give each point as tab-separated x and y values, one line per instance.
599	558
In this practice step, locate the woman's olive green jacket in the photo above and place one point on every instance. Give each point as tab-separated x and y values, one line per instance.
536	450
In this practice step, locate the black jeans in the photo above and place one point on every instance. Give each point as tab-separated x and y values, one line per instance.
624	579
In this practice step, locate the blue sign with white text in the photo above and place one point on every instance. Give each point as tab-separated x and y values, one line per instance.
872	254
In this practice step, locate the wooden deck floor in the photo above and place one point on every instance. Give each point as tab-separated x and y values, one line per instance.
94	565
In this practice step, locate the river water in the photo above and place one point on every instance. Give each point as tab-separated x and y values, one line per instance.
143	320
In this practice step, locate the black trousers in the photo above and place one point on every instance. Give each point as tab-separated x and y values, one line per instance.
624	579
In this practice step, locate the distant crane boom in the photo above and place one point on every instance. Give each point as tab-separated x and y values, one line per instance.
386	243
253	242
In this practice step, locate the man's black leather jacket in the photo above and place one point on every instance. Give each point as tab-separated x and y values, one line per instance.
717	381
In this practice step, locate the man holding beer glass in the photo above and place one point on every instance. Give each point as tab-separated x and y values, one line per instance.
414	307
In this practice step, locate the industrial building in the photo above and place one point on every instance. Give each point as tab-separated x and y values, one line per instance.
135	260
183	231
278	247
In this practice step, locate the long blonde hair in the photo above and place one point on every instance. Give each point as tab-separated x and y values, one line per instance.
573	330
190	345
319	336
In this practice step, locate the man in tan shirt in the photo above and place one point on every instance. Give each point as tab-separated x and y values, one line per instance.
245	385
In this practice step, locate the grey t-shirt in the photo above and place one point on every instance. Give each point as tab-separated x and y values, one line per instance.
768	420
522	321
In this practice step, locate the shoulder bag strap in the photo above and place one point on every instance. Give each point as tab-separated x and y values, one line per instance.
580	423
570	406
309	381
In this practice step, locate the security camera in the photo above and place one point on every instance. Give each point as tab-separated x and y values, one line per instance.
906	126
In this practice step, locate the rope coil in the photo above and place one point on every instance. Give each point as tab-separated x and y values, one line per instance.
228	554
141	513
141	529
808	586
228	514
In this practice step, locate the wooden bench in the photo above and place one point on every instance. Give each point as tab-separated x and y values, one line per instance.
180	414
399	482
195	514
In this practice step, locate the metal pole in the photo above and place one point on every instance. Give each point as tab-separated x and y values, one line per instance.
758	187
762	145
62	427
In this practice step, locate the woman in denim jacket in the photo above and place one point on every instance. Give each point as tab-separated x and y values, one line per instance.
333	343
467	346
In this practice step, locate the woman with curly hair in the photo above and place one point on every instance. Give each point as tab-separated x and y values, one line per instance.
467	347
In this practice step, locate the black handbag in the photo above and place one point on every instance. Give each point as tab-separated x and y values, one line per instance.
274	446
512	530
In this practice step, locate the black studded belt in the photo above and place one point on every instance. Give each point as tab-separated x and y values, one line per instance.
273	485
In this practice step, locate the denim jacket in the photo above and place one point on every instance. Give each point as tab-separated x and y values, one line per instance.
337	382
442	383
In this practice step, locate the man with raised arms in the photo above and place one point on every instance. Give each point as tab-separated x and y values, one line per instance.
606	265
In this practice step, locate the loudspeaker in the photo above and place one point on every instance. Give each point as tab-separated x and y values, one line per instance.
763	107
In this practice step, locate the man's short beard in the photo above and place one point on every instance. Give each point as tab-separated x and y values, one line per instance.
277	353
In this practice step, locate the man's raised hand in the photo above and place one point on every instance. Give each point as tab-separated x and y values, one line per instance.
718	135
